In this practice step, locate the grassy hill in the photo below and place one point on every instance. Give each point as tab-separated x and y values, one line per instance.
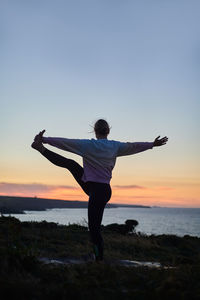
23	276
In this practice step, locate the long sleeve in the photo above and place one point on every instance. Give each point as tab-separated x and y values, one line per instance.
71	145
132	148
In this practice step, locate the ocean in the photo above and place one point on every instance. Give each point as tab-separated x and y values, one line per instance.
155	220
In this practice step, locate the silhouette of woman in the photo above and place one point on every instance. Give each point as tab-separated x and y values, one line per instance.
99	157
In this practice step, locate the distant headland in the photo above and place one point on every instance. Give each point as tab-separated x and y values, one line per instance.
17	205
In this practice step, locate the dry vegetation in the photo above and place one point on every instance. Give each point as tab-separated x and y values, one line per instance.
24	277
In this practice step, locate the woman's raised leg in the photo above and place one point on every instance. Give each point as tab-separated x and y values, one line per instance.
69	164
58	160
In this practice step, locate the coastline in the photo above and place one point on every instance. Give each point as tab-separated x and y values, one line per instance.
17	205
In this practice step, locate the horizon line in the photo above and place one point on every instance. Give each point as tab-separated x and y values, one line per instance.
151	206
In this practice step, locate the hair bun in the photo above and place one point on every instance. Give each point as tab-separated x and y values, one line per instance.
102	127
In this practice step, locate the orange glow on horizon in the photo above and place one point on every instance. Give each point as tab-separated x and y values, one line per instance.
180	196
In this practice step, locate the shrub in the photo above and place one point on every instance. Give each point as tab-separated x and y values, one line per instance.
128	227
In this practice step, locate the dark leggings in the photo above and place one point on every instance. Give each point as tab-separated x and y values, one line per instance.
99	194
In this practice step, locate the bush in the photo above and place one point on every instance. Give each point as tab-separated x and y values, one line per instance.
128	227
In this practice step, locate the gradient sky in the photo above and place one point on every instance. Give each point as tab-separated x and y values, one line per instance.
64	64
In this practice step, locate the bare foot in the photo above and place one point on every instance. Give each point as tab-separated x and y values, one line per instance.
37	144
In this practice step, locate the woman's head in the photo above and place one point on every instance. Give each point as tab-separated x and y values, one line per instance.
101	128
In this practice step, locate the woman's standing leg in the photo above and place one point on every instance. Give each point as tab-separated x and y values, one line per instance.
100	194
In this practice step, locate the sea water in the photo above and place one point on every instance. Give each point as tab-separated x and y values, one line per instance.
155	220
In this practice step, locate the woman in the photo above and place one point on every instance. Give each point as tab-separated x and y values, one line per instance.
99	157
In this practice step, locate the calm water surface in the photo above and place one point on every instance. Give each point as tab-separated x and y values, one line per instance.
179	221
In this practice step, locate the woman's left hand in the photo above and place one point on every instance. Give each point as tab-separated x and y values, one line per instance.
160	142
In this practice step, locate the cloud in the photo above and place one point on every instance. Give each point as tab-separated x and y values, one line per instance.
6	187
129	187
165	188
136	197
139	187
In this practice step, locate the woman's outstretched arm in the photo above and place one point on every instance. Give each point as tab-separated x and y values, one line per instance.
133	148
75	146
70	145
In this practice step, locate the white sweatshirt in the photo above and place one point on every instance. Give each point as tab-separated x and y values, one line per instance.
99	156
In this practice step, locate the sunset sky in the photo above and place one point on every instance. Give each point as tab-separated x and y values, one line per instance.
65	64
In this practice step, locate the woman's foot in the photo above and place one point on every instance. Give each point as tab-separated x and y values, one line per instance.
37	144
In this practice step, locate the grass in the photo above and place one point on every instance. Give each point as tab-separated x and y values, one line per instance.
22	276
